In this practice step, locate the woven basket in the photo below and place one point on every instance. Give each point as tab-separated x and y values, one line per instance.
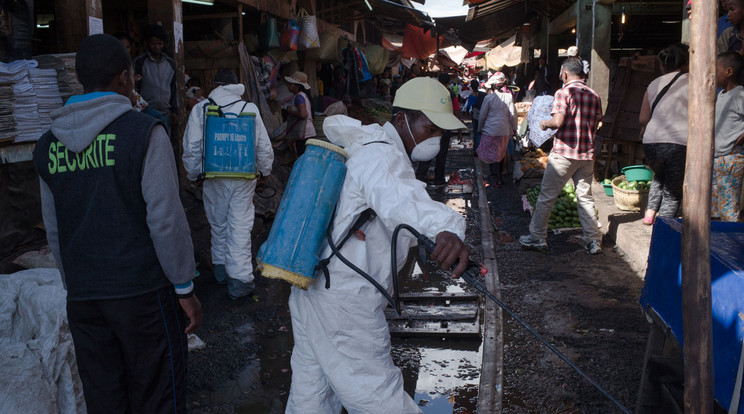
628	200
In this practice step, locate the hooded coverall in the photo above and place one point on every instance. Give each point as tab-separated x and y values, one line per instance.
341	355
228	202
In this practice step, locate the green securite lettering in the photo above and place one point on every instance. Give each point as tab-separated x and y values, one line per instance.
100	153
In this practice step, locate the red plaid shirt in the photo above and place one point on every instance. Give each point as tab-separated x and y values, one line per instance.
583	109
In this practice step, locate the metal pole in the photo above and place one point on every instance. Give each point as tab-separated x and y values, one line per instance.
696	300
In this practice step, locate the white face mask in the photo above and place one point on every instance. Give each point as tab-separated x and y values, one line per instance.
425	150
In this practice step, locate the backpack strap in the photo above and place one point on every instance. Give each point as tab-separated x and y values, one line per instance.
219	107
364	217
376	142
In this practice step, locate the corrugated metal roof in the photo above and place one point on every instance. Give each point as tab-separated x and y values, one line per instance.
500	18
550	7
389	15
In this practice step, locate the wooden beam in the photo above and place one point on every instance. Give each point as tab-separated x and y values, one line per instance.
585	27
210	16
72	17
564	21
647	8
283	9
240	34
333	8
599	56
696	299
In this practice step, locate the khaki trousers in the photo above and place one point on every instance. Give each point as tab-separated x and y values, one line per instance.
559	170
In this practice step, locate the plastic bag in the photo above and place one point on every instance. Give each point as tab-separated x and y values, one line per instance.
268	34
328	49
309	38
290	36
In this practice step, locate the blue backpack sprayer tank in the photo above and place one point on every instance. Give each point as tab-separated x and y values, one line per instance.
291	252
229	143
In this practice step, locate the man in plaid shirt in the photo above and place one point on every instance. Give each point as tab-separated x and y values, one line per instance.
576	112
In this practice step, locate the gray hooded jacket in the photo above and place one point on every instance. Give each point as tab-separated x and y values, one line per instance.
76	125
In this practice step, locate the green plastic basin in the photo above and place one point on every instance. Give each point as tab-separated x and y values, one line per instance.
608	189
637	173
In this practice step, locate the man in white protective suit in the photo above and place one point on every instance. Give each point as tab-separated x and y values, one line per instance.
341	356
228	202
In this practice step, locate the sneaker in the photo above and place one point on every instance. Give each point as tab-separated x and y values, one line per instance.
593	247
237	289
530	243
220	274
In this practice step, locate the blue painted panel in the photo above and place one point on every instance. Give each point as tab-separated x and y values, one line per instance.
230	146
663	292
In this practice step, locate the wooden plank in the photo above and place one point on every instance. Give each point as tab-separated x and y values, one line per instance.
435	312
434	329
696	298
439	295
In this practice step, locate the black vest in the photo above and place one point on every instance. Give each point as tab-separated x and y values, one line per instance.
104	239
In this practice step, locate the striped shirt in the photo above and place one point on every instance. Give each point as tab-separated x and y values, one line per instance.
583	110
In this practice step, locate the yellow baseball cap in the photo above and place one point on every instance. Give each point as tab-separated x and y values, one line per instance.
430	97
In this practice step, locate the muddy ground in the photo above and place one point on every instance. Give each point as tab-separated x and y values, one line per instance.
585	305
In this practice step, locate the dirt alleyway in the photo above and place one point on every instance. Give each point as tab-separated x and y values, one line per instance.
586	306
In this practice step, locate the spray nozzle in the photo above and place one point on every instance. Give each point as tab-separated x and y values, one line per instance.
472	274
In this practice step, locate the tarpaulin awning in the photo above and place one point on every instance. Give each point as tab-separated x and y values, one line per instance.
418	43
392	42
505	54
452	56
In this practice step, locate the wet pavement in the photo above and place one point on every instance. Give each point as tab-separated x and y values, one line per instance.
585	305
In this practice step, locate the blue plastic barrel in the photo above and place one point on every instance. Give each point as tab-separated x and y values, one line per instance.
292	249
230	145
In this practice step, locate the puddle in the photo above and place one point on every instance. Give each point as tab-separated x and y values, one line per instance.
443	375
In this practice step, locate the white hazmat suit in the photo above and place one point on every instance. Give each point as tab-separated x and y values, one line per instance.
228	202
341	355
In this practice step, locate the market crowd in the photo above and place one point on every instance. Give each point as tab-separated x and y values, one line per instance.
118	232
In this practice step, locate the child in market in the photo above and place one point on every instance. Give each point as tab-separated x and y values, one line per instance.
728	164
731	38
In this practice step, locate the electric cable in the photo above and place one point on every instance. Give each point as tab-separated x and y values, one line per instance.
472	277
